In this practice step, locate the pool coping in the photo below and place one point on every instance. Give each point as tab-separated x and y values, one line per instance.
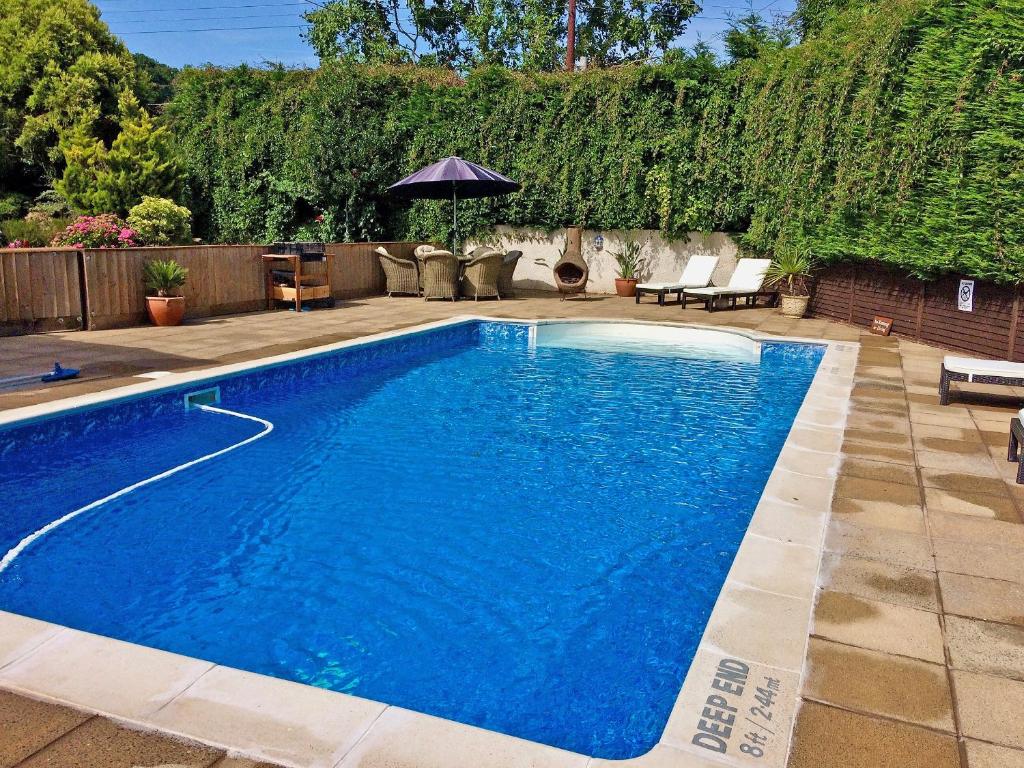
758	629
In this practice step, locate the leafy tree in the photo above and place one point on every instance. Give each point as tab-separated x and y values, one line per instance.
462	34
750	36
62	69
155	79
139	162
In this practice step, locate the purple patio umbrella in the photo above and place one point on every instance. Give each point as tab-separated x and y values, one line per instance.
453	178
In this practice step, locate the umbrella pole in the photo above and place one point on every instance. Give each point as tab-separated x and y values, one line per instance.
455	223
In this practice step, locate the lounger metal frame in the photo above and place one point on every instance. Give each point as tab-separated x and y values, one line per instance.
1013	449
662	292
945	377
749	298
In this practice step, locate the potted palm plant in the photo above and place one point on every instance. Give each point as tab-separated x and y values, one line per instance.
631	263
789	275
163	280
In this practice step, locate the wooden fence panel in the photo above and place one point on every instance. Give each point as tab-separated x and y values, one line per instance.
357	270
39	290
223	279
831	296
984	331
924	311
881	292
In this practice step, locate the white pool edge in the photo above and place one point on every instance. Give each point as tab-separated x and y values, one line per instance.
761	618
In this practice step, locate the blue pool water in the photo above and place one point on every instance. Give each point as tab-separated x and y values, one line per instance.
524	539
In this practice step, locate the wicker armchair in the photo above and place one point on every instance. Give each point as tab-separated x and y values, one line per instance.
440	275
402	275
508	269
480	276
422	250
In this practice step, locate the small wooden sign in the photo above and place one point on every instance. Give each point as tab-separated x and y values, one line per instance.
881	325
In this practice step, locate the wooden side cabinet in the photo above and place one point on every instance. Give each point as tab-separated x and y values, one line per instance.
289	278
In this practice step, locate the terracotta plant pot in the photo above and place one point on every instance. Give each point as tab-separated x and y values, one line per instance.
794	306
165	310
625	286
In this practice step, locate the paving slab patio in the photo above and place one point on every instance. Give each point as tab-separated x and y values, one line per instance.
915	659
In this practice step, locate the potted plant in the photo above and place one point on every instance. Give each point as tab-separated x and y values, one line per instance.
163	279
631	263
789	273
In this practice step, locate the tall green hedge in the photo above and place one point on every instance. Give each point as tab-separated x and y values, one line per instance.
895	132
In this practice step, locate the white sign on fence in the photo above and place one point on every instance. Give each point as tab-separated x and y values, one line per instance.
965	298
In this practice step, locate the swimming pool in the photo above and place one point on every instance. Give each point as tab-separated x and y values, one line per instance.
522	527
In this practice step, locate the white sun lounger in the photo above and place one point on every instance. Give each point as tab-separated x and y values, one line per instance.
696	274
746	282
976	371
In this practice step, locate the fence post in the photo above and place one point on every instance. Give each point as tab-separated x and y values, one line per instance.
1011	344
920	311
853	292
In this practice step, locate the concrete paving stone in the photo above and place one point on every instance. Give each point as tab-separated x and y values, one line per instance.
878	626
975	529
877	580
241	762
741	607
102	674
101	743
878	684
982	598
982	755
275	719
20	635
985	647
774	566
878	453
813	493
878	437
875	422
881	471
951	445
989	708
400	739
990	561
661	756
787	523
962	482
918	415
884	505
828	737
970	463
27	725
971	503
872	543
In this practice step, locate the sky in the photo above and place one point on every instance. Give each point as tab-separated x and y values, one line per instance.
230	32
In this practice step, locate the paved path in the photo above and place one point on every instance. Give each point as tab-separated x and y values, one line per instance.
916	658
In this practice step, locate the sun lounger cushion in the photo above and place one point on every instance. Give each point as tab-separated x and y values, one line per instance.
972	367
696	274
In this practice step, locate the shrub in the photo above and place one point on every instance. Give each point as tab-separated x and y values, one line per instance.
34	232
12	204
49	203
159	221
164	278
103	231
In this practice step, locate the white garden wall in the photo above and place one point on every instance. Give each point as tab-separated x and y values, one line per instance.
665	258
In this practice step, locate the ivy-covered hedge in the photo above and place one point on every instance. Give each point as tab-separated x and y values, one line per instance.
895	132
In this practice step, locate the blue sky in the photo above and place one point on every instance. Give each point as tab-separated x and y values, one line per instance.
167	29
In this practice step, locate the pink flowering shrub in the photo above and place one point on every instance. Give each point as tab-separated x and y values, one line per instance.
103	231
19	244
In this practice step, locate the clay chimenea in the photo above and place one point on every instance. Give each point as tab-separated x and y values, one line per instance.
571	272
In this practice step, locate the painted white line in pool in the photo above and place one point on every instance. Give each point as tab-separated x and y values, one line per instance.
26	542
